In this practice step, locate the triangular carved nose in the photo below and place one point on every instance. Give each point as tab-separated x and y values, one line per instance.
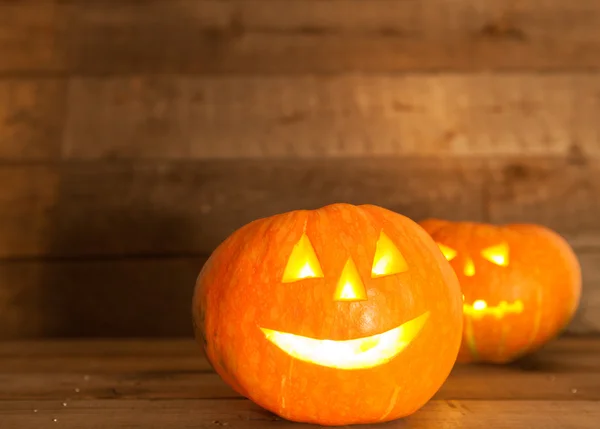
350	286
469	268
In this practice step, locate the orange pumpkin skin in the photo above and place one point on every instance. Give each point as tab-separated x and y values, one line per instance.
540	286
240	290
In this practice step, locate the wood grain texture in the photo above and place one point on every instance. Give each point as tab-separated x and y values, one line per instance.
112	355
235	413
587	319
136	348
297	36
180	117
85	209
561	194
118	298
32	115
163	208
30	36
27	198
178	384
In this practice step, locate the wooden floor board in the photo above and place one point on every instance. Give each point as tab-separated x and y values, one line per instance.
482	384
467	414
168	384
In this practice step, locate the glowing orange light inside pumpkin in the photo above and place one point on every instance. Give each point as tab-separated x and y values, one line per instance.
448	253
350	286
469	268
480	309
479	305
302	263
388	260
497	254
359	353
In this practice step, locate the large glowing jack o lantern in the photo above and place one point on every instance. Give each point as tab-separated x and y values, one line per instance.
521	285
314	305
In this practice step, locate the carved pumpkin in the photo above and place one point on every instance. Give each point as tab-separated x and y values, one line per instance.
521	285
341	315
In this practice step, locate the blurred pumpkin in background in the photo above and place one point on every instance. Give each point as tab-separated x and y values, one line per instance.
342	315
521	285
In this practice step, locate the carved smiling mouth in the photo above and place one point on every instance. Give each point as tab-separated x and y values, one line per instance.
480	309
359	353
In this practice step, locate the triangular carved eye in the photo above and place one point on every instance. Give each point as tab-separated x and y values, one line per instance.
448	252
302	263
498	254
388	260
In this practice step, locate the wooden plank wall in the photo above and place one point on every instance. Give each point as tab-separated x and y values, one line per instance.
135	135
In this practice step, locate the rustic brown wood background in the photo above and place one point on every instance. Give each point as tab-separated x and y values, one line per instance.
135	135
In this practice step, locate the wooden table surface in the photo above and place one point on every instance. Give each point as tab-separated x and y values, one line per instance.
167	384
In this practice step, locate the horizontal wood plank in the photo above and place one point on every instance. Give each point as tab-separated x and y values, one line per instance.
561	194
136	385
139	348
32	115
181	117
297	36
179	384
88	367
108	356
164	208
30	36
587	319
96	209
125	298
27	197
467	414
